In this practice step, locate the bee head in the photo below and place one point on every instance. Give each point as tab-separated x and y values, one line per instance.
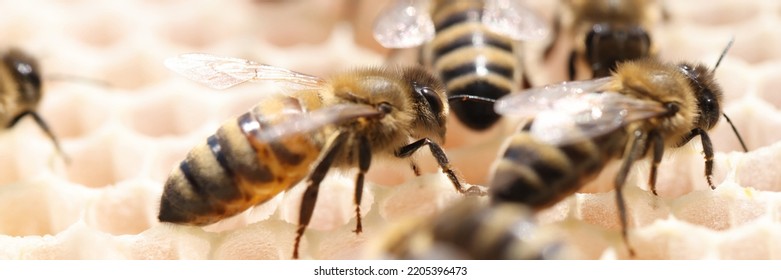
607	45
24	68
707	91
429	98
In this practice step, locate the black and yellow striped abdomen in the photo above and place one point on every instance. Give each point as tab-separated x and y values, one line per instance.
232	170
540	174
471	60
472	230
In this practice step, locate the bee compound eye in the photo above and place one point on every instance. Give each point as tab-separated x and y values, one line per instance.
672	108
385	108
431	97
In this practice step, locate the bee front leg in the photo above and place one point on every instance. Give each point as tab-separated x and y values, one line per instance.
658	145
443	162
571	65
364	160
707	149
313	187
45	127
636	150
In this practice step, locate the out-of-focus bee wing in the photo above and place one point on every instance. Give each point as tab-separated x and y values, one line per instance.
307	122
575	111
220	72
530	102
406	24
514	19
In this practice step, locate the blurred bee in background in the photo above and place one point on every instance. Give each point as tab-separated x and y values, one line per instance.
21	92
342	122
470	229
576	128
472	45
604	33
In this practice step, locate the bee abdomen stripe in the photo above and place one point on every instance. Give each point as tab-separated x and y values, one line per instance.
469	40
284	155
281	152
194	183
471	67
214	146
241	156
459	17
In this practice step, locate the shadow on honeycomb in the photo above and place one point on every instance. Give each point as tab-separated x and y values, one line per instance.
124	137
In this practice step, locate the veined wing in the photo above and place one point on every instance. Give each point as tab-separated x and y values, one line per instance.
220	72
406	24
514	19
310	121
574	111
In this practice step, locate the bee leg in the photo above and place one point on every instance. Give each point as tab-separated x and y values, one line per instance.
707	149
364	160
313	186
571	65
442	160
414	167
658	146
525	82
555	35
45	127
636	150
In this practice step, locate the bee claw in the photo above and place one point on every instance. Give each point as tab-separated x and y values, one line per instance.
476	190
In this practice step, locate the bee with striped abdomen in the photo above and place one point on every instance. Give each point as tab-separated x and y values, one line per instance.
341	122
576	128
604	33
470	229
470	44
22	92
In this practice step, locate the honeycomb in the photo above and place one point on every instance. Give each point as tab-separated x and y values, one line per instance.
128	121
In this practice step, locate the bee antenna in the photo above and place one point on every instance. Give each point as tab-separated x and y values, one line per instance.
466	97
77	79
742	144
724	52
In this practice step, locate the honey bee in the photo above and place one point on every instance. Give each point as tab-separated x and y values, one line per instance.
470	229
341	122
605	32
21	92
645	107
472	45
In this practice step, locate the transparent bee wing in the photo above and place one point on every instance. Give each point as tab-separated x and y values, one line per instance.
311	121
406	24
530	102
223	72
574	111
514	19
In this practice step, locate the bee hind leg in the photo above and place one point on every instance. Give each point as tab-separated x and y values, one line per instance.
313	187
